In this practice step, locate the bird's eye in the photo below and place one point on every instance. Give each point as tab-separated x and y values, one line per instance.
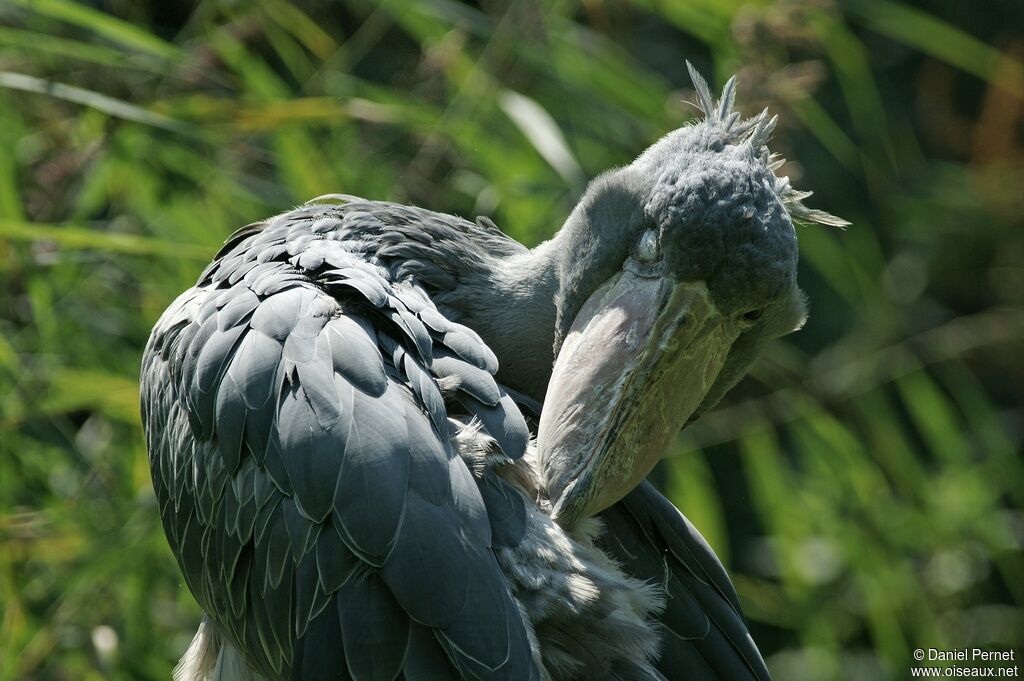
753	315
647	249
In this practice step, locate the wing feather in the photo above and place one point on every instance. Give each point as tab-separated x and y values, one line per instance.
654	541
319	653
431	535
310	597
354	354
373	478
335	562
310	454
425	659
375	629
503	421
468	378
468	345
309	487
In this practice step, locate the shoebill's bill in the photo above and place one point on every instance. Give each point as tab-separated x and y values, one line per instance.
389	443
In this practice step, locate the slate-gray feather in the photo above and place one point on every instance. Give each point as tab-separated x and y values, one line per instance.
389	443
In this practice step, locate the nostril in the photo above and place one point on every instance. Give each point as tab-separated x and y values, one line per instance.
753	315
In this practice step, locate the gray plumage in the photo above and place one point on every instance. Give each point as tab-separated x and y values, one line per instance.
339	419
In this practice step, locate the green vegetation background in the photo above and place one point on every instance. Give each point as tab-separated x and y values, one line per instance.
864	485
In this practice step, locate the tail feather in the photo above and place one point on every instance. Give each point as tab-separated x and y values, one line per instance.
210	658
200	660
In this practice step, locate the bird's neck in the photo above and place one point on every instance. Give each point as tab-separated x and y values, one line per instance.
512	307
524	304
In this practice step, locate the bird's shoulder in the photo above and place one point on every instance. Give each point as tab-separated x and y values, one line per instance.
297	404
434	249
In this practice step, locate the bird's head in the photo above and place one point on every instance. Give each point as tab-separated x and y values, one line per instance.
676	269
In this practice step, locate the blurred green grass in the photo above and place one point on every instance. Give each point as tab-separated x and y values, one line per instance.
864	485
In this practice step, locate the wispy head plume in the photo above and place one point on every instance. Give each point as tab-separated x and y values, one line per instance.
754	132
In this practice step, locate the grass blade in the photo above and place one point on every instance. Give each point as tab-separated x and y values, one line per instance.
94	100
103	24
83	238
941	40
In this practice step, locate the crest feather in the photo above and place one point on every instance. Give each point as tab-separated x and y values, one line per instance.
755	131
727	100
704	98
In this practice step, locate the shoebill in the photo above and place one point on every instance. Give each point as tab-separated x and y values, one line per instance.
389	443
